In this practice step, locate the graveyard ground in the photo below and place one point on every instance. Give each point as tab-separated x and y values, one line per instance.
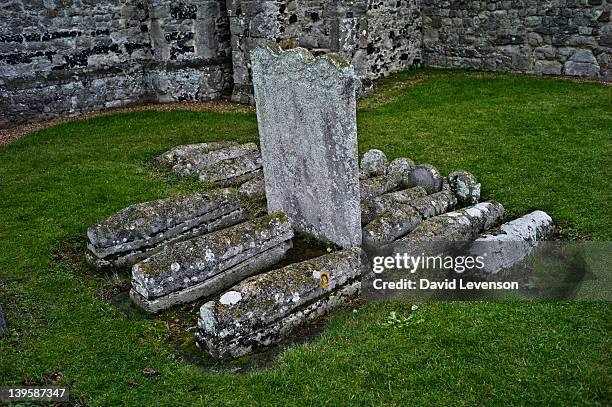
533	143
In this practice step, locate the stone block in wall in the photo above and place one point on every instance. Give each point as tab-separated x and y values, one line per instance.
582	63
547	68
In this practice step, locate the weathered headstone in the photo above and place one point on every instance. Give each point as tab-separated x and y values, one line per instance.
308	135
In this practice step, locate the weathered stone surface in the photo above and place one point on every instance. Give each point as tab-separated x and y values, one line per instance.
181	155
216	283
375	186
70	57
264	309
3	328
465	186
254	188
533	37
377	38
401	168
572	68
374	163
54	61
220	162
137	231
403	218
308	135
372	207
426	176
463	225
513	241
181	266
547	68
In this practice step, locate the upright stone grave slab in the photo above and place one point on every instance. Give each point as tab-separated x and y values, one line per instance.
308	135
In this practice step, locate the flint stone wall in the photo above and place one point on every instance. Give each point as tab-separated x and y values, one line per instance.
550	37
308	135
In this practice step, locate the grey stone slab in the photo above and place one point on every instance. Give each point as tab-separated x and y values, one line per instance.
129	258
135	232
308	135
404	218
225	163
182	265
217	283
372	207
191	152
513	241
264	309
254	188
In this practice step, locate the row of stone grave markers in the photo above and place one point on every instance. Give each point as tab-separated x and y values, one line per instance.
211	246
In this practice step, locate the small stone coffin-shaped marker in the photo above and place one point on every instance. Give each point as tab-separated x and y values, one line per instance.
403	218
450	229
225	163
371	208
513	242
204	265
135	232
264	309
376	186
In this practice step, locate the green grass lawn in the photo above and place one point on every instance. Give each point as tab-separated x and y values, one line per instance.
533	143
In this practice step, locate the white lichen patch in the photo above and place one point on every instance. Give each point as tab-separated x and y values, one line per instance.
230	298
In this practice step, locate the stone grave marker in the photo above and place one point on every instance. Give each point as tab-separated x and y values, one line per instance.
308	134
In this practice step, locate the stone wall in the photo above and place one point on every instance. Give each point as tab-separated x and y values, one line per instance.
378	36
63	57
549	37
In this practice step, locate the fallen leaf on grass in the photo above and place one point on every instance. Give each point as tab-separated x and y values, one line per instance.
149	371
